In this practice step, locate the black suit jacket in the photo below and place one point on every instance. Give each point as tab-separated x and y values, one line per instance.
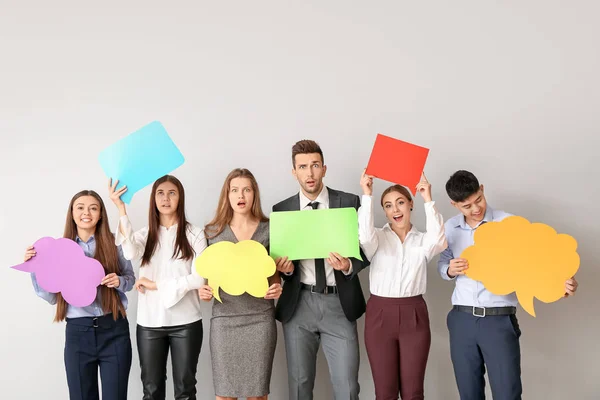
350	292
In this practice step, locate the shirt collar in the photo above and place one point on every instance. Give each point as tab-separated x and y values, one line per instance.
488	217
413	229
172	228
322	198
79	240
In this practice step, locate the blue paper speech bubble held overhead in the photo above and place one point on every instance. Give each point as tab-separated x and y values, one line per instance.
140	158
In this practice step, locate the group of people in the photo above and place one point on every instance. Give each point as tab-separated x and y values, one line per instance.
318	301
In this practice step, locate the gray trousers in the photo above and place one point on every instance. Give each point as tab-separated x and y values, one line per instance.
319	319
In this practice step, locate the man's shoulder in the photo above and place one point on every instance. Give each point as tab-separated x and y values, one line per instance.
342	194
499	215
284	204
453	222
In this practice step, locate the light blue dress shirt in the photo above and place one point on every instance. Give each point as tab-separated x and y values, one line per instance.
126	281
467	291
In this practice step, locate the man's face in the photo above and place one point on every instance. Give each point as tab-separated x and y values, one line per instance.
309	171
473	207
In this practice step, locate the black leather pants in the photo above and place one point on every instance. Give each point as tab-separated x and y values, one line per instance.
153	345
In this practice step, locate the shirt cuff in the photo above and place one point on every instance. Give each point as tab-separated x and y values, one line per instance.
349	272
446	276
121	283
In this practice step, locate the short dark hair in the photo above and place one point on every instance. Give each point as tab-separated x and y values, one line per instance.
305	147
461	185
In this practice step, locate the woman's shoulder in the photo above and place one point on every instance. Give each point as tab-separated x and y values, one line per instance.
195	233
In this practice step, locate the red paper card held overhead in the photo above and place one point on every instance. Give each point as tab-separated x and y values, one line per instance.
397	161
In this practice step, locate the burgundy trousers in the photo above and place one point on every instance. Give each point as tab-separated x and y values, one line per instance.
397	338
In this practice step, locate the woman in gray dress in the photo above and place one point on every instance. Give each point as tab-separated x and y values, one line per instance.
243	334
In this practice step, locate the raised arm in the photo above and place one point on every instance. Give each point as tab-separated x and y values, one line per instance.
366	223
434	241
133	244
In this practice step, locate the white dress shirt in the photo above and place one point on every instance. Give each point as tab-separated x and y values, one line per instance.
307	267
175	300
399	269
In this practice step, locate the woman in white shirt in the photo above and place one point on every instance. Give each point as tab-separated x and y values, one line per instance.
169	315
397	333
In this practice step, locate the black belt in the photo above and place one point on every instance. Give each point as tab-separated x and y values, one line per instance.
486	311
105	321
328	289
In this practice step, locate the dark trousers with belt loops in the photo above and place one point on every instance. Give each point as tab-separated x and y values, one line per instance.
97	343
185	342
479	342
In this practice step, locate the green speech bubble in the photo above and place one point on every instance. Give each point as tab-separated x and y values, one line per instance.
302	235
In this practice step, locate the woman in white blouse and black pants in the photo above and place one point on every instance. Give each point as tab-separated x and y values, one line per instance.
169	315
397	333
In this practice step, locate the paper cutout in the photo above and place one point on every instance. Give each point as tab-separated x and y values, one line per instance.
60	265
236	268
515	255
396	161
140	158
310	234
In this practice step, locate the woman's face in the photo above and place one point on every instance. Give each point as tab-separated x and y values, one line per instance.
397	209
241	195
86	212
167	198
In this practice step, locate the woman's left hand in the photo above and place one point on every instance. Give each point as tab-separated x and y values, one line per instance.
111	280
274	291
144	284
424	187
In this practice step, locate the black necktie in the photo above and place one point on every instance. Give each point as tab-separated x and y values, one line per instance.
321	281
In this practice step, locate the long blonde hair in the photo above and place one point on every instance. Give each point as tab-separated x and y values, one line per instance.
224	212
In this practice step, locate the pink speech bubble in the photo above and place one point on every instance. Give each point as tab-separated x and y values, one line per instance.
60	265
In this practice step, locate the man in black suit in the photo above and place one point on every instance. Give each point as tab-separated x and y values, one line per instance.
322	298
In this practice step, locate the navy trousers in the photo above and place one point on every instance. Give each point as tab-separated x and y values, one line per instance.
480	342
97	343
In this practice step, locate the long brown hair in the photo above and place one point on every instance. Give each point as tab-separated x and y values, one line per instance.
225	212
183	248
106	254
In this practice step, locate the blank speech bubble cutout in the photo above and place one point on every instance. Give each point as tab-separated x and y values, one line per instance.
236	268
60	265
515	255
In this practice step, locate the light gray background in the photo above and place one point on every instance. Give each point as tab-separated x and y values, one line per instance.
509	90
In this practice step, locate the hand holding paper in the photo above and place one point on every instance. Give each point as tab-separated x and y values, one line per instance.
396	161
515	255
300	235
236	268
60	265
140	158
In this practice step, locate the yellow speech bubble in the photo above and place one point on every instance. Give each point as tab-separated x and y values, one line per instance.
514	255
236	268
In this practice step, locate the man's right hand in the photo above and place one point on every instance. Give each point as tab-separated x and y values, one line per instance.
457	267
284	265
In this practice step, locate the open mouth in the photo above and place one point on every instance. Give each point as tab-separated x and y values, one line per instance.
310	183
86	220
241	204
398	218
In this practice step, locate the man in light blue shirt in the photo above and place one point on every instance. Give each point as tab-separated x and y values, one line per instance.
484	331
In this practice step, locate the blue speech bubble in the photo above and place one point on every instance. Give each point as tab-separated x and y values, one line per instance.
141	158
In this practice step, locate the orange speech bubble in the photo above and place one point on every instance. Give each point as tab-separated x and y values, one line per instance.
514	255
